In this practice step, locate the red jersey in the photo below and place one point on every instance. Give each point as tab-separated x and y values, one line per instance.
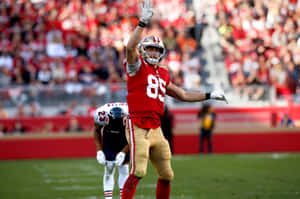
146	94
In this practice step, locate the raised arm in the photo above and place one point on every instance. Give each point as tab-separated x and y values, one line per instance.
131	52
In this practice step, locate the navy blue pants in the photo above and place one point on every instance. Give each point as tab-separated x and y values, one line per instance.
110	154
206	135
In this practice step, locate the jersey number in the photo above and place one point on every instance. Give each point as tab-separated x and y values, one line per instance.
102	116
156	88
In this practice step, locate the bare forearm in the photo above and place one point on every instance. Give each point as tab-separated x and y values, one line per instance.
135	38
125	149
193	97
183	95
97	140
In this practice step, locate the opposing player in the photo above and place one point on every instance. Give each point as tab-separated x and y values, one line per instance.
147	84
111	144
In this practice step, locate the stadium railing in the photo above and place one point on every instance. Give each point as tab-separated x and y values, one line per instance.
62	96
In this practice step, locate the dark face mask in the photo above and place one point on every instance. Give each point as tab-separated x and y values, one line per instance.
116	118
116	123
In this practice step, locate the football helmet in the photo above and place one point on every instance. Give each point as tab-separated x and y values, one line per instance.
116	116
151	41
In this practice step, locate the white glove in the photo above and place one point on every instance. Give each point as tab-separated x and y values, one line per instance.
218	95
120	158
100	157
146	11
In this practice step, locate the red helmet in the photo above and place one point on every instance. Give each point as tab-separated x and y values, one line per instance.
151	41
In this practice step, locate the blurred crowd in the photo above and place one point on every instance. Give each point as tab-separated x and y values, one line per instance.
82	41
261	43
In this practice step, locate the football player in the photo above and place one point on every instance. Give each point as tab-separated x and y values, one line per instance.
111	144
147	84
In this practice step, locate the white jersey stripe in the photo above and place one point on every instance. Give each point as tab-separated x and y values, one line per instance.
132	147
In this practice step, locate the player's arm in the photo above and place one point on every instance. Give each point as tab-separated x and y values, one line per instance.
125	149
131	52
120	157
189	96
97	136
183	95
133	63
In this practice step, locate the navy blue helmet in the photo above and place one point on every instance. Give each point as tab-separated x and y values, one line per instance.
116	116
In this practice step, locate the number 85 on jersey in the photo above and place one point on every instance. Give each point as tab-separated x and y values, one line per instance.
156	88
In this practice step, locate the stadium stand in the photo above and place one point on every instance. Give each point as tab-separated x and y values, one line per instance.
60	59
63	58
261	43
62	42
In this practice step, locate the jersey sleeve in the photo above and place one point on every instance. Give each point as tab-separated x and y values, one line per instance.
133	68
100	115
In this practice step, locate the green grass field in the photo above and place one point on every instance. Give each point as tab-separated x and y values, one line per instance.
244	176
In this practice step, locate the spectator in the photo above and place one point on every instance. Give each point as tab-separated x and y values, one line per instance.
3	111
48	128
287	122
5	77
18	128
3	130
58	71
91	110
74	29
34	110
44	75
86	75
208	118
267	28
21	111
74	126
167	126
6	61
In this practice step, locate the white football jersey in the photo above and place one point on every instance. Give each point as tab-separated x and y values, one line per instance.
101	113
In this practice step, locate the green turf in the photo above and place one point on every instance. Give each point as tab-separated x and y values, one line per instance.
256	176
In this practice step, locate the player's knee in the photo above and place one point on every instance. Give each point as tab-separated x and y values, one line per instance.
167	175
108	171
107	176
123	170
140	173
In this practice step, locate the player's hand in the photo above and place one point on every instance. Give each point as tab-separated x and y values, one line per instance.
218	95
120	158
101	157
146	11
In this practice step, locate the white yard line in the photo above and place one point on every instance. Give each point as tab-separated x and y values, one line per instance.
267	155
184	157
75	187
70	175
148	186
86	197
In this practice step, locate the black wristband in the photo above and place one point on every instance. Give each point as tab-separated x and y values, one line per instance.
207	96
142	24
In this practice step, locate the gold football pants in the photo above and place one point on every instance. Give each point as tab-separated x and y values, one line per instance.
148	144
